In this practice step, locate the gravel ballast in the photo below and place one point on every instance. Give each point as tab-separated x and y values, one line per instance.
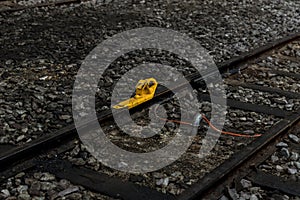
44	48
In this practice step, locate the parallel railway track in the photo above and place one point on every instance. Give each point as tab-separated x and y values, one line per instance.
42	152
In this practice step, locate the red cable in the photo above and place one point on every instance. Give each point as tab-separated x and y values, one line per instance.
228	133
212	126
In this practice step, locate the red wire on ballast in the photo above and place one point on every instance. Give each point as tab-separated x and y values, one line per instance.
229	133
212	126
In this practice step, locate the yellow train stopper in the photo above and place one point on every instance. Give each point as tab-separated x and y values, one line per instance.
145	90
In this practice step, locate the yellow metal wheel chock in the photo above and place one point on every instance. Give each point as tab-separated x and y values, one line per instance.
144	91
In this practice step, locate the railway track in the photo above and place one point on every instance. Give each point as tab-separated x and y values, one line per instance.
45	153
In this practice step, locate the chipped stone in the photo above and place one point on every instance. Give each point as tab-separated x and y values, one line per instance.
20	175
253	197
165	182
232	193
254	189
5	193
244	196
285	152
160	181
64	184
47	177
24	130
65	117
46	186
245	183
274	158
243	119
249	131
24	197
297	164
68	191
22	189
294	156
282	144
292	171
279	168
223	198
35	188
20	138
294	138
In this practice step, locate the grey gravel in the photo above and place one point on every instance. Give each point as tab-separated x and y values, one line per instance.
47	177
261	193
5	193
294	156
245	183
274	158
223	198
285	152
262	98
253	197
279	168
24	197
292	171
35	188
233	193
20	175
297	164
244	195
285	161
20	138
164	182
30	186
277	63
36	80
22	189
263	74
44	72
46	186
294	138
68	191
282	144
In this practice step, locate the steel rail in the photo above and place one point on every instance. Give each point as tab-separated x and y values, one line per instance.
211	185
